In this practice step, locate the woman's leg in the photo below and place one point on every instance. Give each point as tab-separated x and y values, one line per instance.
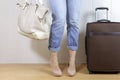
71	69
54	64
73	20
58	8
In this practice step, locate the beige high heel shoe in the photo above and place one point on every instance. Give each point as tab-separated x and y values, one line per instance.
71	73
57	73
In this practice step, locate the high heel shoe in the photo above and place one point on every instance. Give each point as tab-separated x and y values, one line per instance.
71	73
57	73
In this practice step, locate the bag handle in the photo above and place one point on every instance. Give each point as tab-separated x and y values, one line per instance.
36	1
103	20
102	8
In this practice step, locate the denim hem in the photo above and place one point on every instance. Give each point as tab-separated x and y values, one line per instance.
74	48
54	49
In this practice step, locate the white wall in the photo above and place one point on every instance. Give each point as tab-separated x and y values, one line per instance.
15	48
115	10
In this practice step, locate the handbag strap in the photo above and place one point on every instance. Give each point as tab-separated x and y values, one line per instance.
36	1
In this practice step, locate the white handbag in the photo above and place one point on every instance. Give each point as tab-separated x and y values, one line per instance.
32	20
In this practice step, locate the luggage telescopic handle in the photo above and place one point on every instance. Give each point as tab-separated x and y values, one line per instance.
103	20
102	8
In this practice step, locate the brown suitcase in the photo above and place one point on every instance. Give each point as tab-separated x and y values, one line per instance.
103	46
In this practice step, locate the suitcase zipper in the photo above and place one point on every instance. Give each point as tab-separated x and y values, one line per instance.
104	34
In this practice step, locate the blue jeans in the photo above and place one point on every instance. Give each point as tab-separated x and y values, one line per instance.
64	11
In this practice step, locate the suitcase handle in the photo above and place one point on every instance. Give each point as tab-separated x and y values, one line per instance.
103	20
102	8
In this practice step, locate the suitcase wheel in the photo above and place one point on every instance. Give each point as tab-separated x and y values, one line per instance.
90	72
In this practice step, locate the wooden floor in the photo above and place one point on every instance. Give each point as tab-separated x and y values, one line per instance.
43	72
